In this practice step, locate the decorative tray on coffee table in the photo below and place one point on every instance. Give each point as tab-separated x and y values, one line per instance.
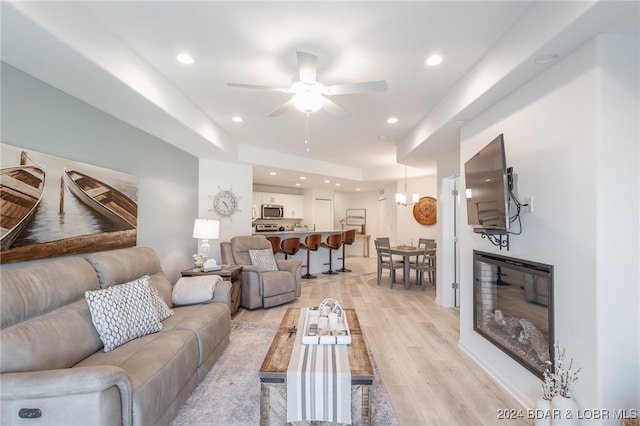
317	330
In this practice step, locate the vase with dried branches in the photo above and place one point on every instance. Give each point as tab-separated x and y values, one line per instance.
556	388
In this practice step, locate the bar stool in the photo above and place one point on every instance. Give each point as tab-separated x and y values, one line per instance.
290	246
334	241
348	237
275	244
311	243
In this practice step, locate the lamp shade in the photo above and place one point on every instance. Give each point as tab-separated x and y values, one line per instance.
206	229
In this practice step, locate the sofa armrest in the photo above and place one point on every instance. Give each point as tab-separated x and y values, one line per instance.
290	265
222	293
295	267
66	395
251	287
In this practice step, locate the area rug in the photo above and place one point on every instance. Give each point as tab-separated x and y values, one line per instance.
230	394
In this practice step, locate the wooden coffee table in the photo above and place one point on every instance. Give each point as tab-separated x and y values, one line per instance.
273	373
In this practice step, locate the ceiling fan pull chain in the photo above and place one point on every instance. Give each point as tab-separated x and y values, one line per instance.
306	130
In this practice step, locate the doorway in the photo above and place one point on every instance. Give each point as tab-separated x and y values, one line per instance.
323	213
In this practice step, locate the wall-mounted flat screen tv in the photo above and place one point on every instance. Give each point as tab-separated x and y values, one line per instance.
487	187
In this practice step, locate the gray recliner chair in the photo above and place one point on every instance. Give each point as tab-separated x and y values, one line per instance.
262	289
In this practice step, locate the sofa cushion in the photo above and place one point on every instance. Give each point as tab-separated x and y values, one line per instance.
159	365
263	259
29	291
121	266
192	290
241	244
209	323
123	312
45	320
58	339
158	304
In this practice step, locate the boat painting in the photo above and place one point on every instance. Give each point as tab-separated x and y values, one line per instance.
21	190
93	209
102	198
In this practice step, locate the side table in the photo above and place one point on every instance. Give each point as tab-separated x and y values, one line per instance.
234	274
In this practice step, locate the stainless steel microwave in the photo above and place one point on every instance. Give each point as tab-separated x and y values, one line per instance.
272	211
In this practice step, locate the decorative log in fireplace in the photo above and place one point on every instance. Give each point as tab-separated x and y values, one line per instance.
513	307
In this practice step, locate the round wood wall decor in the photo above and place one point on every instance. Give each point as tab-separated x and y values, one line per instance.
425	211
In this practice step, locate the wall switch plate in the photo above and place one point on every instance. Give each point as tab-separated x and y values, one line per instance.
527	205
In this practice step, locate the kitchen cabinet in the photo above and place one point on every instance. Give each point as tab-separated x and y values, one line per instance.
293	204
273	198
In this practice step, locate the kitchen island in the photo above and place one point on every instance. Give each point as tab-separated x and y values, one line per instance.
319	258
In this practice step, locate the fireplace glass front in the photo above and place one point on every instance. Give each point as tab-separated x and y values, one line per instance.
513	307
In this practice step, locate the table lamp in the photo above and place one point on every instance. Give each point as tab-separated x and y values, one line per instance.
205	230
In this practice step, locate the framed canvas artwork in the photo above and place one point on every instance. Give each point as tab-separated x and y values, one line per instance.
51	206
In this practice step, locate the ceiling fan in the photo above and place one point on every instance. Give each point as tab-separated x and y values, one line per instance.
309	95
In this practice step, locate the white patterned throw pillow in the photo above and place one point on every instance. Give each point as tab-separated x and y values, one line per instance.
123	312
263	259
159	305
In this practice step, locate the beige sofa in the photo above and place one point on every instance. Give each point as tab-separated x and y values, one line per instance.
53	365
262	289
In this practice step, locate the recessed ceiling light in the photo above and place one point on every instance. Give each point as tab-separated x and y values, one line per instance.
546	59
434	60
237	119
357	189
302	177
337	184
392	120
272	173
185	58
327	181
297	183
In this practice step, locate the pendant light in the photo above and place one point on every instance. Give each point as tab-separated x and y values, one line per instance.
401	197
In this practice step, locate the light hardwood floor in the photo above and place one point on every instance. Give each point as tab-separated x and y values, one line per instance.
430	380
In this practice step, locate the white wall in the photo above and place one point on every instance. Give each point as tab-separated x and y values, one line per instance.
367	200
39	117
565	141
617	221
409	230
220	175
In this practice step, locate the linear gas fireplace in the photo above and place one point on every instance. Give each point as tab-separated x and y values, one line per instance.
513	307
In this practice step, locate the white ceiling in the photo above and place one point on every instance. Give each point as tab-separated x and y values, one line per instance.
120	57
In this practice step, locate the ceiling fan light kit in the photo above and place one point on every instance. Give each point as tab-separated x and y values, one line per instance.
309	95
307	99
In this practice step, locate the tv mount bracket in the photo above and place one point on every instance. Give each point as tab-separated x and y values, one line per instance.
497	237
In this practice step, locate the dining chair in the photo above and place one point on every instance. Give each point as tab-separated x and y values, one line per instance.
385	260
386	240
426	262
431	244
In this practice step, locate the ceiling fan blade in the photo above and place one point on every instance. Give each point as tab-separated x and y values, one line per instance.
335	109
364	87
258	87
287	106
307	66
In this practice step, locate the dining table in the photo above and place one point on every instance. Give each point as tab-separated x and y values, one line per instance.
407	252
